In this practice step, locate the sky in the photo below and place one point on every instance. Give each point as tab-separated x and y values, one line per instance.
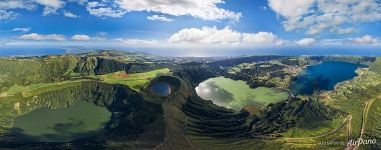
195	27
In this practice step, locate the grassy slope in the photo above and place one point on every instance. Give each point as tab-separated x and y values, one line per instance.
348	97
36	88
351	96
373	128
11	98
376	66
140	79
136	80
34	70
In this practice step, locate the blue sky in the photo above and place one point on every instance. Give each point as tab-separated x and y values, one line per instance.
190	24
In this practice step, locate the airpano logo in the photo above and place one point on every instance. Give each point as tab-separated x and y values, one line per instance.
361	141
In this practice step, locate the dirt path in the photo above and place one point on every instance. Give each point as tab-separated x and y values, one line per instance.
364	119
346	121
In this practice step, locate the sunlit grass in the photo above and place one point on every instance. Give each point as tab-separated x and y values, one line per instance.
135	80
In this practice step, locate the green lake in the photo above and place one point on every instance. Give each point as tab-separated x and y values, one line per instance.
237	94
83	119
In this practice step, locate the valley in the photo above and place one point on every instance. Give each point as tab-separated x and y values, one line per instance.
155	102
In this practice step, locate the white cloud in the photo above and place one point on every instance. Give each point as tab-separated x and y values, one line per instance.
204	9
290	8
80	2
21	29
5	15
213	36
70	14
80	37
50	6
51	3
7	7
343	31
39	37
316	16
104	9
16	4
262	38
206	35
159	18
136	41
306	42
364	40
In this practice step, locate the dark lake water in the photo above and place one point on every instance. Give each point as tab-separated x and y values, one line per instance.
81	120
161	89
323	76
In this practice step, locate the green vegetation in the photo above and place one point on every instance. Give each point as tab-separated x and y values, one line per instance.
134	113
350	96
135	80
376	65
118	82
275	73
317	130
35	70
38	88
372	127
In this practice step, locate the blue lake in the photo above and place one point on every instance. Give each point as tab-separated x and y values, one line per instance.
161	89
323	76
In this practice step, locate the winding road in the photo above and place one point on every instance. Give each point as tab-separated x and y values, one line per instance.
347	121
364	119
